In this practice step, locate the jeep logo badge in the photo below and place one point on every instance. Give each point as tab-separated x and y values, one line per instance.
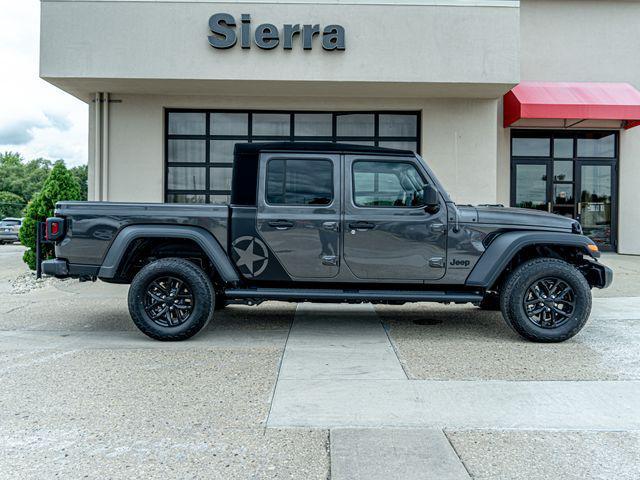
267	36
459	263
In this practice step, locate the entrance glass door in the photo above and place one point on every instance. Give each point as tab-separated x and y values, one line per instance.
596	206
570	174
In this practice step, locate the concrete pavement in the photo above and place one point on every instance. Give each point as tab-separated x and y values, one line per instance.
85	394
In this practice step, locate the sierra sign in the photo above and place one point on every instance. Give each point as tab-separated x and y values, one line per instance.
267	36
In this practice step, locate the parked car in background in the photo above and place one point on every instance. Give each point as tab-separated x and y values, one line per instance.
9	228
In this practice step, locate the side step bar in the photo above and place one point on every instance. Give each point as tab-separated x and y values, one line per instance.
328	295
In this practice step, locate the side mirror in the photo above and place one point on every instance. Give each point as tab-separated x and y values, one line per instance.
430	198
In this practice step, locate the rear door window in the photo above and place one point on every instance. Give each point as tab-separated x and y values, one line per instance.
299	182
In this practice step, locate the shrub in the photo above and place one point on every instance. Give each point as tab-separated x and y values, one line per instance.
11	205
59	185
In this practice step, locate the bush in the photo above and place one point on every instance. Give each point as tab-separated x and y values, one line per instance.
11	205
59	185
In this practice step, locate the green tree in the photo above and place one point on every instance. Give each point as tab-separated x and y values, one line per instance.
11	205
81	173
59	185
20	177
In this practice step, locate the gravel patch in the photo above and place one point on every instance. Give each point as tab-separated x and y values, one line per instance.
26	282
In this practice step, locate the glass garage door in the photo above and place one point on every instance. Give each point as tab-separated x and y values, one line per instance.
199	143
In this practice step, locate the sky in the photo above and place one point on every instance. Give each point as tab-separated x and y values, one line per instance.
36	118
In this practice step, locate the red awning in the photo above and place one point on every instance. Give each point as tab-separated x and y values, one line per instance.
573	102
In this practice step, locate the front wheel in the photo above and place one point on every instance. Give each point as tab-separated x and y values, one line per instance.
171	299
546	300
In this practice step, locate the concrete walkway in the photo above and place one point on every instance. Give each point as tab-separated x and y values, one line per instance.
340	373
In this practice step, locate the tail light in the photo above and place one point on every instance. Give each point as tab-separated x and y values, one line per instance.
55	229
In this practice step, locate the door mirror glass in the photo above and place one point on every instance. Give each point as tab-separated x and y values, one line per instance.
430	198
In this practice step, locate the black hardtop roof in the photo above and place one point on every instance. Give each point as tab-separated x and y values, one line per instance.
256	148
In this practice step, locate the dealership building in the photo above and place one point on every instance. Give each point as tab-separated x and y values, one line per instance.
529	103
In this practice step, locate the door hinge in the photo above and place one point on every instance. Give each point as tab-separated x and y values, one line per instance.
436	262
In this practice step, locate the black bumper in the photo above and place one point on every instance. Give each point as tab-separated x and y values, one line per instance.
56	268
60	268
598	275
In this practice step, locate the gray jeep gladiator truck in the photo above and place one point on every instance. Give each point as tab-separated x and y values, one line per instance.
324	222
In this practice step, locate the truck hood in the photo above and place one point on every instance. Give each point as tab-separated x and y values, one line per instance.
523	217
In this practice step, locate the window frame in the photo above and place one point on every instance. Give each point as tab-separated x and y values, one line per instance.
208	137
286	159
385	160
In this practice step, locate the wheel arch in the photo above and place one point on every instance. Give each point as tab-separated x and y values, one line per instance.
126	238
513	248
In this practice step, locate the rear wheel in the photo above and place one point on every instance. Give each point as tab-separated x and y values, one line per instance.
546	300
171	299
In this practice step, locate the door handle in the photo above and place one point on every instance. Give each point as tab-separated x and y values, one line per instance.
361	226
281	224
333	226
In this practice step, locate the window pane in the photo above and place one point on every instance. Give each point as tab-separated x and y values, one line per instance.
299	182
271	124
563	171
355	125
220	178
313	125
563	194
229	124
595	200
222	150
531	186
596	145
219	199
413	146
368	143
563	148
186	178
531	147
187	123
397	125
173	198
187	151
387	184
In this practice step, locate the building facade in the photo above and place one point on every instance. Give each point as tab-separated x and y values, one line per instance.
173	85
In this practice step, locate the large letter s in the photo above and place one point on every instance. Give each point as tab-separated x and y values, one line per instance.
224	36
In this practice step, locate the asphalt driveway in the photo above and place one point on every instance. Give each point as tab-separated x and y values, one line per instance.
280	391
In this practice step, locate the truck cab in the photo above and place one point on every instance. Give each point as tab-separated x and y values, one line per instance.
326	222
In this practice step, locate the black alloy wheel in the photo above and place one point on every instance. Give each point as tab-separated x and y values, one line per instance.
546	300
169	301
549	302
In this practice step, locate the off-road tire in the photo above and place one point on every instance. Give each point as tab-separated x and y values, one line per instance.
198	283
524	276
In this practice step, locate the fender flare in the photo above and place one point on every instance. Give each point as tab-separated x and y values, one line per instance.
202	237
502	250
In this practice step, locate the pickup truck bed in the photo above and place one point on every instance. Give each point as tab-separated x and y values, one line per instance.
92	226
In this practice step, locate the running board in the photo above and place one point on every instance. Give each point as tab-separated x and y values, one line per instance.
328	295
